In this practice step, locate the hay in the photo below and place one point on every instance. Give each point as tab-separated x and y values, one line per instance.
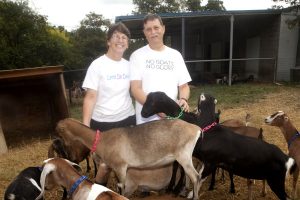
33	152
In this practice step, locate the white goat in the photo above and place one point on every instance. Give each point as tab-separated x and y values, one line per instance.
150	145
58	171
292	135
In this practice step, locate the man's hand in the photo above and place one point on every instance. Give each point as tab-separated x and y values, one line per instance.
184	104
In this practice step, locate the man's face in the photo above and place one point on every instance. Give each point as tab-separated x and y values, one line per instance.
154	31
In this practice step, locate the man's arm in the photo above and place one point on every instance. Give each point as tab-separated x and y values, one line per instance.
137	91
184	94
89	102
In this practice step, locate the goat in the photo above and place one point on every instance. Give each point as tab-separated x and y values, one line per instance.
157	102
148	145
243	156
241	128
291	135
220	147
146	180
26	185
58	171
76	152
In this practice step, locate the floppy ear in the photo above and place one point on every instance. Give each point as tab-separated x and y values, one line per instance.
48	168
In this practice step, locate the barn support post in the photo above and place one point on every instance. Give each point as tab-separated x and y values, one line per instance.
183	37
231	48
3	146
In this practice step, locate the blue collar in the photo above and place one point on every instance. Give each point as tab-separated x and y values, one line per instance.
293	138
76	184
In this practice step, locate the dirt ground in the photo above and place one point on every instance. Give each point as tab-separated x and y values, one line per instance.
287	100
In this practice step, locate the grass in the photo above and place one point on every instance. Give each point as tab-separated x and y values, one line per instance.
234	95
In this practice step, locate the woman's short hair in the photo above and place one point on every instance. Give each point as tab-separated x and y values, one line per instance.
120	27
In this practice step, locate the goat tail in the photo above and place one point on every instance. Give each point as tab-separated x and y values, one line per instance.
290	166
46	170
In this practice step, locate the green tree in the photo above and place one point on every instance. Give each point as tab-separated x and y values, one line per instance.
171	6
191	5
155	6
88	41
294	6
25	40
214	5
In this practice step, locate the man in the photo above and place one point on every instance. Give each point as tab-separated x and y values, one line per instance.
156	67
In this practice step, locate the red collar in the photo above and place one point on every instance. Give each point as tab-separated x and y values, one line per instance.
209	127
96	141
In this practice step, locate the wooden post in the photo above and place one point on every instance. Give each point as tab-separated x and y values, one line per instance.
3	146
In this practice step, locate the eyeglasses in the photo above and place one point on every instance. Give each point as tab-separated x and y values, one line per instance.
119	37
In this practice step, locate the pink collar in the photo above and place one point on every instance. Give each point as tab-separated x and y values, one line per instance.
96	141
209	127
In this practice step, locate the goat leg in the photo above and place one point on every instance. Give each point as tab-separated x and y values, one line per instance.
173	178
179	185
213	179
232	189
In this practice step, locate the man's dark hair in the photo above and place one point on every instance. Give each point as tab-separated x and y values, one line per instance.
120	27
151	17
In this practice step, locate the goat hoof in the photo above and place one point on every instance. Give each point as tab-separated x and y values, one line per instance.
232	191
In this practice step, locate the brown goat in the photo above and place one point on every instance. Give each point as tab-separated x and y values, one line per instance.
58	171
149	145
291	135
76	152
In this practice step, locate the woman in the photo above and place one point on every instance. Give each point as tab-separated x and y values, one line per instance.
107	103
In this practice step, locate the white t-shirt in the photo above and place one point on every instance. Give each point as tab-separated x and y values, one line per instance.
159	71
111	80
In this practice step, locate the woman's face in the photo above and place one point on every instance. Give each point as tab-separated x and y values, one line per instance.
118	42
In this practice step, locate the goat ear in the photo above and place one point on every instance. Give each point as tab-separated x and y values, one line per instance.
216	101
47	169
77	167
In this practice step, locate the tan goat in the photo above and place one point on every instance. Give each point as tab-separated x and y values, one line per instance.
292	137
150	145
60	172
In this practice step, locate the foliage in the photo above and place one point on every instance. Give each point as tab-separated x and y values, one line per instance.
154	6
172	6
214	5
89	41
294	7
191	5
25	39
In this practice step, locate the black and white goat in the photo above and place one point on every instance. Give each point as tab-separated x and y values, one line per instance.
243	156
292	137
25	186
60	172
